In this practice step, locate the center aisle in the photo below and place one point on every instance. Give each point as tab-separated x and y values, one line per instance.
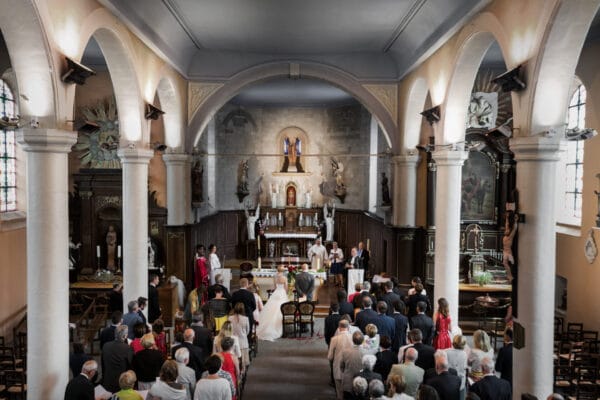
291	369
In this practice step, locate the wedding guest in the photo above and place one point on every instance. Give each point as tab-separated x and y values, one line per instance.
154	311
160	338
351	363
338	344
331	322
504	359
108	334
371	343
400	327
241	329
443	326
78	358
147	363
81	386
203	337
227	331
360	389
185	375
385	358
212	387
167	387
482	348
457	359
116	359
377	390
139	330
368	362
132	318
126	383
397	388
230	363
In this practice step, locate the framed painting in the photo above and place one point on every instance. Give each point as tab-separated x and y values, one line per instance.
478	189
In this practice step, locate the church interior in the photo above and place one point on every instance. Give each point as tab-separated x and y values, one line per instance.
448	145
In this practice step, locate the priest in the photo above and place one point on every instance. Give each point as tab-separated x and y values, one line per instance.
317	254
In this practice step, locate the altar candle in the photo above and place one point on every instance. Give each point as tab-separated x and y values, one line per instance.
318	263
258	242
98	251
118	251
368	244
259	263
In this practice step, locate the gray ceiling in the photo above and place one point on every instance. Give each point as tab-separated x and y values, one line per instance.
372	39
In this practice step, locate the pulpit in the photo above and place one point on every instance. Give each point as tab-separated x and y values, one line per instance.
169	302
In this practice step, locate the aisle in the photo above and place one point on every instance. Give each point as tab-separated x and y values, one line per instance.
291	369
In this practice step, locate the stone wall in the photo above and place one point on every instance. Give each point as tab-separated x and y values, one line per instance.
255	134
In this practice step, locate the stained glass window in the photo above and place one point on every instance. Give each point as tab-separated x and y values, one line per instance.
8	174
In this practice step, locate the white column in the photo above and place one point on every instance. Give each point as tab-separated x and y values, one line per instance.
135	222
47	260
178	188
405	190
373	178
187	177
447	222
211	166
536	176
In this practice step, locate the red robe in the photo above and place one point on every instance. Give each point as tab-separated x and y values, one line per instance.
201	277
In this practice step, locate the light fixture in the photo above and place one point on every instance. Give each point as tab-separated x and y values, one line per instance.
152	112
157	146
76	72
432	115
88	127
580	134
510	80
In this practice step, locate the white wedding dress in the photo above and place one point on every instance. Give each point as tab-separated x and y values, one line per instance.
269	327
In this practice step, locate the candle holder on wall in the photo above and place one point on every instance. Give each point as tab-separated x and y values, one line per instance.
598	202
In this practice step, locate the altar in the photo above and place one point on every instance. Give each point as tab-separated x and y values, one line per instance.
264	279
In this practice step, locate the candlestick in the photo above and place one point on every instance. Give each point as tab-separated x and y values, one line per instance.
259	263
98	251
258	242
118	251
368	244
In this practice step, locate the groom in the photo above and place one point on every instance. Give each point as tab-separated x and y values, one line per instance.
305	283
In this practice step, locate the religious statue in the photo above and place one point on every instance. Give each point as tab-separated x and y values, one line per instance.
507	241
242	188
338	173
308	196
483	110
291	152
73	253
385	191
197	172
271	249
274	195
290	196
151	254
251	222
111	248
329	222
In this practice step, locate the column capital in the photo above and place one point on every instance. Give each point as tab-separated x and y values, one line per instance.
37	140
406	159
536	148
450	158
176	158
135	155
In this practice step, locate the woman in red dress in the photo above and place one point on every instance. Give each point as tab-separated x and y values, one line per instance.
443	325
230	362
201	277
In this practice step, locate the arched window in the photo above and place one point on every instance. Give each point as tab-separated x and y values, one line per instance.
8	175
572	163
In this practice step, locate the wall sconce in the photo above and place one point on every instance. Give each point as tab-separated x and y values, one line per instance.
510	80
88	127
580	134
76	72
152	112
432	115
157	146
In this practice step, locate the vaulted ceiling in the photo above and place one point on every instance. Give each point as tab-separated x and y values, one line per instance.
371	39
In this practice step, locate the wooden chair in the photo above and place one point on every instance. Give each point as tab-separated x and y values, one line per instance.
306	316
16	386
563	379
586	378
289	313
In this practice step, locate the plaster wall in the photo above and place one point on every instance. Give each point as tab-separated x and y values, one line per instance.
13	279
328	135
583	302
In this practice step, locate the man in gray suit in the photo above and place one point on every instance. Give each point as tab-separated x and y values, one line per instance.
351	363
413	375
305	283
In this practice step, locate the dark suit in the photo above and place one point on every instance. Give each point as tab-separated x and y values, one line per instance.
492	388
399	338
425	324
331	325
153	304
203	338
366	317
364	258
211	291
432	373
504	362
146	364
446	385
390	298
412	301
385	360
386	326
305	285
76	361
425	359
116	359
196	357
247	298
347	308
80	388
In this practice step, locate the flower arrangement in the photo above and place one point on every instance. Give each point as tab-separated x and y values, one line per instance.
483	278
291	276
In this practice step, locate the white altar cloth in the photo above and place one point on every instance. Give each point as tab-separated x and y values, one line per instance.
290	235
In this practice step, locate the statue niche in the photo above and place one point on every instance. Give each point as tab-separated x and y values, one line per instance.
290	195
293	142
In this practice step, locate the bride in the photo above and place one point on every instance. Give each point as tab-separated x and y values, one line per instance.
270	327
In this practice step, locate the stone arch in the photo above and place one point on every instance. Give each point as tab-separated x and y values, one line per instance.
557	62
119	55
417	96
30	59
222	93
171	103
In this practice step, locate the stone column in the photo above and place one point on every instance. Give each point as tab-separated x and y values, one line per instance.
135	222
536	168
447	223
405	190
47	260
178	188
